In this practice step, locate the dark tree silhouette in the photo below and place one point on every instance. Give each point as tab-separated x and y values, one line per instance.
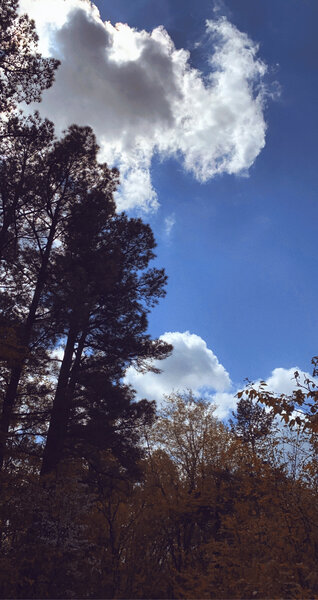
101	294
24	74
57	176
251	422
22	176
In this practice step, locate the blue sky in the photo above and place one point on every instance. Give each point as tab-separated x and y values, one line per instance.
242	256
240	249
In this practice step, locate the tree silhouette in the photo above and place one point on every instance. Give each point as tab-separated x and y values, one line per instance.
251	423
101	294
24	74
57	175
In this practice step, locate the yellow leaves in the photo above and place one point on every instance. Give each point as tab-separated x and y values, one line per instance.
240	528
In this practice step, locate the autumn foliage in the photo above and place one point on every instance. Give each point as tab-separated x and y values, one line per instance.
207	518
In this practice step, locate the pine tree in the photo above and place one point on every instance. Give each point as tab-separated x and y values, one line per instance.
102	293
24	74
56	176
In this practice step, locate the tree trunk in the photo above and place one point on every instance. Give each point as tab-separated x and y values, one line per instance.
9	214
57	431
16	372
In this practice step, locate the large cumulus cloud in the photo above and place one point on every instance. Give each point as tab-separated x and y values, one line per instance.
141	95
192	365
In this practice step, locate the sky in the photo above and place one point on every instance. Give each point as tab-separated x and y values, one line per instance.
209	111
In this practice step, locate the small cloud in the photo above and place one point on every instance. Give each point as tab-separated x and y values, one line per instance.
136	190
170	221
219	7
282	381
225	403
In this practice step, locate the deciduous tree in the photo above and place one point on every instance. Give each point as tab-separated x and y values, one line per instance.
251	423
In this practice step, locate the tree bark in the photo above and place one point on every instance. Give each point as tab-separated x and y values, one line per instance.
57	431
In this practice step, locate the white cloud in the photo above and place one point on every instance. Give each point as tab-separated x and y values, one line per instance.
192	365
225	403
170	222
136	190
142	97
282	381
